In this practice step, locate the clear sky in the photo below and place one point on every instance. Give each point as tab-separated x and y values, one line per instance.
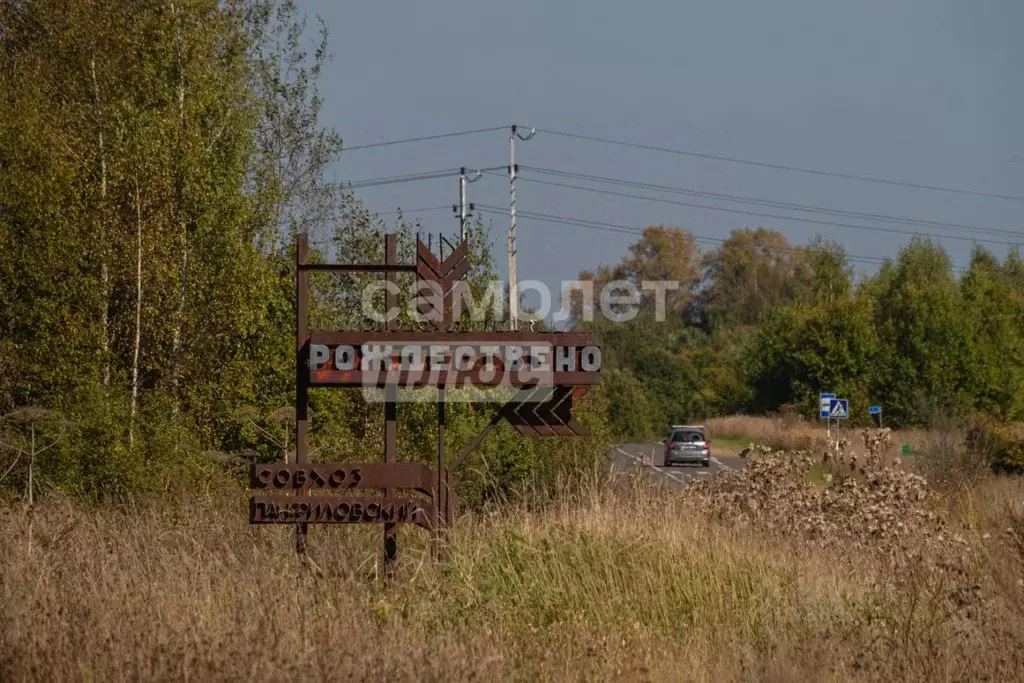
925	91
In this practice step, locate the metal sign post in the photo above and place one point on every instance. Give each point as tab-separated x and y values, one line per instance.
545	374
824	405
876	410
838	410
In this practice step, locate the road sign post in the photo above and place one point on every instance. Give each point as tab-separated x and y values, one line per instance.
838	410
824	405
876	410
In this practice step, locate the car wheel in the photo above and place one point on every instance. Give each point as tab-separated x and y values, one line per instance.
706	463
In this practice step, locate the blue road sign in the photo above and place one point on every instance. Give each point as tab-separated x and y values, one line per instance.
874	410
825	403
839	409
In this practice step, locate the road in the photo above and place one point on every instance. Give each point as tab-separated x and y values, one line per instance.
634	458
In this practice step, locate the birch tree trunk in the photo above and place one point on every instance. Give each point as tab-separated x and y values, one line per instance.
138	314
182	224
104	269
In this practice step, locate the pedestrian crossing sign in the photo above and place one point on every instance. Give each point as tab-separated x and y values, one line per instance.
839	409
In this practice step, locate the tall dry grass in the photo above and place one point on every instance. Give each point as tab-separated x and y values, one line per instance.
794	433
607	584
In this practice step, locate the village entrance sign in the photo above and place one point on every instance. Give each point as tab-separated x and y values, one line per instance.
546	372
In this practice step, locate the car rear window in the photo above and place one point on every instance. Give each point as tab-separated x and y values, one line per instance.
687	436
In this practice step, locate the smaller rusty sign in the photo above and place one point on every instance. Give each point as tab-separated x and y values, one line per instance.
335	510
291	477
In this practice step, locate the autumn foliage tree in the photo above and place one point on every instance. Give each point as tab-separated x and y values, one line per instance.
767	324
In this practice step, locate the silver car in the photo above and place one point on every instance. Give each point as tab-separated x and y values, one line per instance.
687	445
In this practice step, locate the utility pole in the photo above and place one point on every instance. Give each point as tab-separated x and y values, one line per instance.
513	169
463	211
462	204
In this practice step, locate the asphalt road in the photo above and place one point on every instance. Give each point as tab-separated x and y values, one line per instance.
647	458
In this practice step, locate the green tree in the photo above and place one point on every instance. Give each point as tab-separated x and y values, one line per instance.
802	350
926	354
752	272
993	309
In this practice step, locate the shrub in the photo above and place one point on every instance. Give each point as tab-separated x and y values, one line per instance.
997	444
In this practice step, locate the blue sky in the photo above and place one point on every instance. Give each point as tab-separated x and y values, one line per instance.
926	91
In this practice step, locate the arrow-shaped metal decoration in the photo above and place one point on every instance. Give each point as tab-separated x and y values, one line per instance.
516	411
438	282
545	411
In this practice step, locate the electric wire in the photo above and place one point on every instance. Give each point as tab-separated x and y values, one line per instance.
850	226
691	153
630	230
403	178
422	209
423	138
809	208
410	177
780	167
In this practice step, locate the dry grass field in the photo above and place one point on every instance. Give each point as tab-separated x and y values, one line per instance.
793	433
752	575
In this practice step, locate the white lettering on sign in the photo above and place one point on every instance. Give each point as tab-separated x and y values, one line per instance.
484	362
318	355
344	357
437	354
565	358
376	357
489	353
539	358
514	358
411	359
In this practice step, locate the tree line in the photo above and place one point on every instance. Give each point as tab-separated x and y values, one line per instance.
157	160
760	324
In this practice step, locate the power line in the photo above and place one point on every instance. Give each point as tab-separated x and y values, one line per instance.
403	178
781	167
410	177
422	209
765	215
809	208
630	230
423	138
616	228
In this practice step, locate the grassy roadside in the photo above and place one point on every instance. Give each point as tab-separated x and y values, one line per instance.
603	585
728	445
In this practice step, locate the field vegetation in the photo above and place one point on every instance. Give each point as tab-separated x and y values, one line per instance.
876	575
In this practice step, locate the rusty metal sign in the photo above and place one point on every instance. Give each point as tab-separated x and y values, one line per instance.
399	475
546	411
548	371
453	359
438	282
335	510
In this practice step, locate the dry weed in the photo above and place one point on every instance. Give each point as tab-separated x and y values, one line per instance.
792	432
757	575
